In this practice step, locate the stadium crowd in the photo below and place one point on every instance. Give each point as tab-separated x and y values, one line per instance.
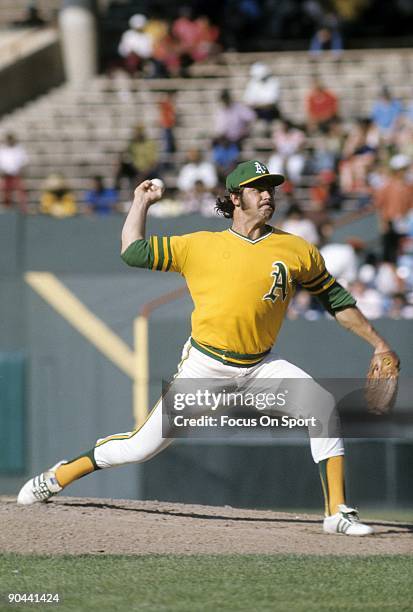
363	164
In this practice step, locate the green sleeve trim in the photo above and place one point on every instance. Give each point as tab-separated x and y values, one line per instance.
308	284
168	244
138	254
161	254
336	298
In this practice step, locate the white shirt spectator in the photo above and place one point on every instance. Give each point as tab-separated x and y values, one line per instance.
13	158
136	40
262	89
341	262
203	171
293	166
387	281
369	301
288	140
371	304
304	228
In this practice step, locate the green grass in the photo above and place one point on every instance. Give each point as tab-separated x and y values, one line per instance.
211	583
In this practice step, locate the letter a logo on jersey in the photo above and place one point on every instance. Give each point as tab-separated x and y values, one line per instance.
279	285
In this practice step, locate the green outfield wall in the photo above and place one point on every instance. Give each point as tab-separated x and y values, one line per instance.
73	395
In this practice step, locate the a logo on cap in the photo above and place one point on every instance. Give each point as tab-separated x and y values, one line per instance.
260	168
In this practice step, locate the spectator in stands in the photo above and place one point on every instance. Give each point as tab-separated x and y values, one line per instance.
292	167
185	28
301	306
185	31
321	106
135	45
195	170
399	307
169	56
206	45
386	112
197	38
393	202
325	192
57	198
225	155
167	120
368	269
288	158
13	160
140	160
100	200
199	199
156	28
327	36
359	156
402	138
341	257
296	222
369	300
387	280
233	120
287	138
32	17
262	92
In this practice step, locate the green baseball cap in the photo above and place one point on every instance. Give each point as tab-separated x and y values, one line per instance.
249	172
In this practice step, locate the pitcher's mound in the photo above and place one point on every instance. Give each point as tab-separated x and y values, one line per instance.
70	525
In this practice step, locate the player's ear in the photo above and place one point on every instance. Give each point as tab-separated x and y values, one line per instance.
235	198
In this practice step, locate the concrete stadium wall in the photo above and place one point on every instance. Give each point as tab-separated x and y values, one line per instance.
31	76
75	395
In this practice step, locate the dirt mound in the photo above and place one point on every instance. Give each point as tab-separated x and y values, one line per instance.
70	525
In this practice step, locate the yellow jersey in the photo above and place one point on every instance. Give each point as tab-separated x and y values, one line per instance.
240	287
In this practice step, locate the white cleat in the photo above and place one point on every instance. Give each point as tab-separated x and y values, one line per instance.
347	522
40	488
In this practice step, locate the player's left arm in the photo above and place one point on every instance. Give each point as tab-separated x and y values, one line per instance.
354	320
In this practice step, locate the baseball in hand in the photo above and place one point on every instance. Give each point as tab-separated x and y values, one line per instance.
158	183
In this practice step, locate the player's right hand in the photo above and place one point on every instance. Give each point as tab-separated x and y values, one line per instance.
147	193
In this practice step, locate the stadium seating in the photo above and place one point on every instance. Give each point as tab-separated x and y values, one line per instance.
12	11
82	132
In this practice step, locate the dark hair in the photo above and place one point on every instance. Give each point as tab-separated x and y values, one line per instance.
225	207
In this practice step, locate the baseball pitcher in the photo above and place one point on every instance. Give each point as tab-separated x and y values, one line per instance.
241	281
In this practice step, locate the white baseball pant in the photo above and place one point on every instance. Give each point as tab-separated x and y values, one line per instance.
147	441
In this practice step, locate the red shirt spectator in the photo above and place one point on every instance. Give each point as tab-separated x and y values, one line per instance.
168	51
186	30
167	111
197	37
167	121
207	36
321	105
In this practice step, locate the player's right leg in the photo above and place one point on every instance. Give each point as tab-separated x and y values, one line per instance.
119	449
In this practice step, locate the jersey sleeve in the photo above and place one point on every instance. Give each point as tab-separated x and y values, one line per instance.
316	279
313	275
163	253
